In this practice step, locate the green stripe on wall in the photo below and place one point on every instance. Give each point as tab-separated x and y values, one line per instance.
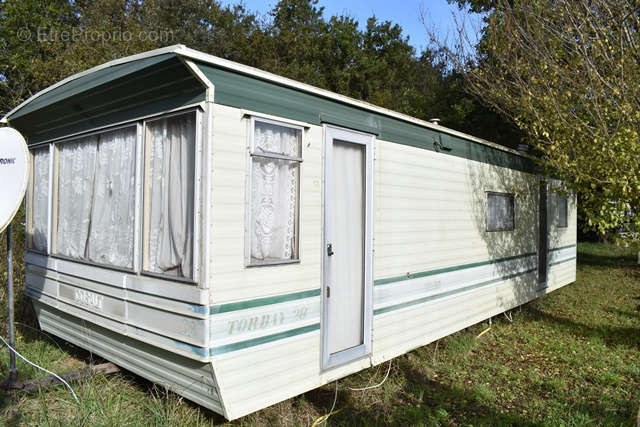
449	269
243	305
263	340
562	261
562	247
449	293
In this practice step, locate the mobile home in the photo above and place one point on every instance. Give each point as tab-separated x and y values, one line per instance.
243	238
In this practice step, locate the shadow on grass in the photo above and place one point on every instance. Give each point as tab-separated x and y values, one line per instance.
619	260
610	335
422	401
630	314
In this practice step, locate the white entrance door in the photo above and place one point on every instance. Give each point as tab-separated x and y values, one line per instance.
348	249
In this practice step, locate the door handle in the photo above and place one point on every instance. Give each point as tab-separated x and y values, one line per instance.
329	249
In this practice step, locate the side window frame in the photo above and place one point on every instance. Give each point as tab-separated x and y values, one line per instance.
562	199
512	199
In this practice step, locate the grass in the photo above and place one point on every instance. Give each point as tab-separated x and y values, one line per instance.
571	358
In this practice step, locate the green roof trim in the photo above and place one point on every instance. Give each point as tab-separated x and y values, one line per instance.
111	95
252	93
144	86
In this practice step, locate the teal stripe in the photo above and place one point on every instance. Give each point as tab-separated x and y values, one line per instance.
562	247
448	293
243	305
449	269
263	340
562	261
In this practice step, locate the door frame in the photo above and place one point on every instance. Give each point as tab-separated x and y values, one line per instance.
330	133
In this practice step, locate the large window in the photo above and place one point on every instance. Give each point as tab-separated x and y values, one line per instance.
500	212
39	229
96	198
124	197
274	176
562	206
169	195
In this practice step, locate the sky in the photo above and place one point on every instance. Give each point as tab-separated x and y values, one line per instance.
406	13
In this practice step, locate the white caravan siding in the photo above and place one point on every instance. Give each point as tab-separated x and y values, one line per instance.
436	268
431	228
230	280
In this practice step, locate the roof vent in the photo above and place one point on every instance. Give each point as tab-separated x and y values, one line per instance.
523	148
435	121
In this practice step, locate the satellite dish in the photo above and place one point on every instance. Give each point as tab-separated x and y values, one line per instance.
14	174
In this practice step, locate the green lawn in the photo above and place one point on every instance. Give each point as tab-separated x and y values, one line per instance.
570	358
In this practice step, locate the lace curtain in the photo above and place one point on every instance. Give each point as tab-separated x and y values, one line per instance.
274	193
76	171
113	207
96	198
171	174
40	200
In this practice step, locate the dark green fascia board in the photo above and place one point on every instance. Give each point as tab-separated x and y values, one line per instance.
88	82
242	91
146	109
163	80
165	86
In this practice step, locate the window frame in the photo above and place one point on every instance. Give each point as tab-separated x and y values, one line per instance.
512	197
144	205
54	197
139	123
248	186
564	199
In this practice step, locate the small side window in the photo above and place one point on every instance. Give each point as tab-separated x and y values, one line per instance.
274	193
562	204
39	200
500	212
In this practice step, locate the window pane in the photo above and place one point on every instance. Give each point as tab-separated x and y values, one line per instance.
113	206
274	200
96	198
562	210
277	139
171	195
40	200
500	212
77	162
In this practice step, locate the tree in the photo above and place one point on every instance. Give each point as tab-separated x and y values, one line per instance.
25	61
375	63
567	72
